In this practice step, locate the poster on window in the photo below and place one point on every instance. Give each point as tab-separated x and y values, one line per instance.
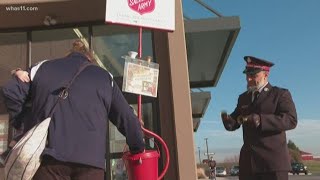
155	14
140	77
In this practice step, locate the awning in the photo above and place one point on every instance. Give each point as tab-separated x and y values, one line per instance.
209	43
199	103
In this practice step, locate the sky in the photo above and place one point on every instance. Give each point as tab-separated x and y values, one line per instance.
285	32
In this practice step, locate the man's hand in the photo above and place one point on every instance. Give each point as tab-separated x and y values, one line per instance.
228	122
251	119
255	120
224	116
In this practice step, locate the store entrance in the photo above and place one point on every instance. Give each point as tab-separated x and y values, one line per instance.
109	43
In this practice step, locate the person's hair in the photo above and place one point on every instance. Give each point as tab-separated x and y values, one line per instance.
79	47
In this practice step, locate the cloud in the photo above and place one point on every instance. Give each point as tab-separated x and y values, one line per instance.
306	135
306	128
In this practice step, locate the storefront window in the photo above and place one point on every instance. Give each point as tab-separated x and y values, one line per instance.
118	141
50	44
118	170
110	42
13	51
3	146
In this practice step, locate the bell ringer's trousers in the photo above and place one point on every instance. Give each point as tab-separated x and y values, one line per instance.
52	169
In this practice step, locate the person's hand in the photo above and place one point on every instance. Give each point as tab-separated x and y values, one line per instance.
228	122
224	116
141	122
22	75
253	120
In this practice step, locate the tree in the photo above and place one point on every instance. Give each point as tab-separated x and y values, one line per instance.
294	152
232	159
292	146
295	156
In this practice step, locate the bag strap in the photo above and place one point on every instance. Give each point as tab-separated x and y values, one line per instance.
65	91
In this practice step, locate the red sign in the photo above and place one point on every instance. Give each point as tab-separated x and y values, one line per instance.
142	6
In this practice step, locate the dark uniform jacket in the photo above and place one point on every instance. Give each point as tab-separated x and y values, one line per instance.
77	132
265	148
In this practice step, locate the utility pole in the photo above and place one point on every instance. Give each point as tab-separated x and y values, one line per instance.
199	156
207	148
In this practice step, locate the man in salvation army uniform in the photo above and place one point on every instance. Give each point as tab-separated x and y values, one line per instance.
265	113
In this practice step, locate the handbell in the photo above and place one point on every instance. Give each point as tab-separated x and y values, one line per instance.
242	119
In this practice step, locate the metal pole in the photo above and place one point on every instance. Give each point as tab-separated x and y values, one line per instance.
209	8
199	156
140	55
207	148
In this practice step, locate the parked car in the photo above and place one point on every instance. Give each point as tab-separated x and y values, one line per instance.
298	168
234	171
221	171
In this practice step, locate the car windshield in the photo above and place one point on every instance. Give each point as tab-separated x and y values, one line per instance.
297	165
235	167
220	168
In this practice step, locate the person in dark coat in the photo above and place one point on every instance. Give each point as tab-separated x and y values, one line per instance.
17	121
78	130
212	165
265	112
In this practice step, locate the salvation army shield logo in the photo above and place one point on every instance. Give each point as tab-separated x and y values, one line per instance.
142	6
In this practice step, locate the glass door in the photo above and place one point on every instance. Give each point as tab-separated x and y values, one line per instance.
109	43
13	51
55	43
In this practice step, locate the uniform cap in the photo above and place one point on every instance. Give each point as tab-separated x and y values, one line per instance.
255	65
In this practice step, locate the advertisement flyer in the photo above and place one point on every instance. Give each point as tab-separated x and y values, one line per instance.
140	77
